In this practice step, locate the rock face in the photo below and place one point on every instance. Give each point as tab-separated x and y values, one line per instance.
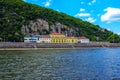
42	27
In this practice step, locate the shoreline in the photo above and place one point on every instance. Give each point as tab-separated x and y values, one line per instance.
31	48
42	46
15	49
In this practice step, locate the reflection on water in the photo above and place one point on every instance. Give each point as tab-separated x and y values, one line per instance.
83	64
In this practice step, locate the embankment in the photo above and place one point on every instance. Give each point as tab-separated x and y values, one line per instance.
56	45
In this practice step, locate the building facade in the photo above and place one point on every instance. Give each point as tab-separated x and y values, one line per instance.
44	39
58	38
30	39
83	39
72	40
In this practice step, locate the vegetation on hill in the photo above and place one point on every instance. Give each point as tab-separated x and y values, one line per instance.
15	13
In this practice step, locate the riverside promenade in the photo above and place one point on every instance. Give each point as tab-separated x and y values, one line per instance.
57	45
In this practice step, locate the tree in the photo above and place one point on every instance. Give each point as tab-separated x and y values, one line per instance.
114	38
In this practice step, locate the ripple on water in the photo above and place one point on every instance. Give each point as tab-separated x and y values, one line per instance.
86	64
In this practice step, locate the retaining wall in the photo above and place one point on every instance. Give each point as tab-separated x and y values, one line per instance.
56	45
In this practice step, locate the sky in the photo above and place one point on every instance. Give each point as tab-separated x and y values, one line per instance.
105	13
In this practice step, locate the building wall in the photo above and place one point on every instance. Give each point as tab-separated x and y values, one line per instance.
83	41
44	40
58	40
72	40
30	39
56	36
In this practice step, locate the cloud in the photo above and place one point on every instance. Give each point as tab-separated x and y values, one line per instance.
82	15
91	20
82	10
92	2
118	33
58	10
82	2
47	3
111	15
98	15
108	29
89	3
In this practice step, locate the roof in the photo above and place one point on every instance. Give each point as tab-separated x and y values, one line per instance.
55	33
36	36
27	37
30	37
82	37
71	37
44	36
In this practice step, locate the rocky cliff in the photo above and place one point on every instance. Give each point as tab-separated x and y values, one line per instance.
41	26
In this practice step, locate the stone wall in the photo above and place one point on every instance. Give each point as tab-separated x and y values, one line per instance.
55	45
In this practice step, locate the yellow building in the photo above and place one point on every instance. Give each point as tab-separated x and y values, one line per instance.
72	40
58	38
57	35
61	38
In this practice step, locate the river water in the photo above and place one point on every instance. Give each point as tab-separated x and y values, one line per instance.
82	64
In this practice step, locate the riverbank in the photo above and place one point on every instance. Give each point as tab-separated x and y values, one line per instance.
37	46
27	49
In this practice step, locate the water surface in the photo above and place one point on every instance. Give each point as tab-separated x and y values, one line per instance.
82	64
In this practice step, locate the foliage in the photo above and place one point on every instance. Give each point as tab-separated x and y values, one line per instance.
15	13
114	38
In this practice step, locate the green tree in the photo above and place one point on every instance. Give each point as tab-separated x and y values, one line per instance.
114	38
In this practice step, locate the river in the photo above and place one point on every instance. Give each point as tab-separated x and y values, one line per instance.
75	64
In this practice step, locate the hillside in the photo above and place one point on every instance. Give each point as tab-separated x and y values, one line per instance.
19	19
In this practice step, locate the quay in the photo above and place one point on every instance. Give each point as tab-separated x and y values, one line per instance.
57	45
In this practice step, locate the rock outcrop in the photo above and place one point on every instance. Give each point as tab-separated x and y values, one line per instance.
41	26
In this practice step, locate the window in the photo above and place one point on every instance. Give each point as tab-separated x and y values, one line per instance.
72	40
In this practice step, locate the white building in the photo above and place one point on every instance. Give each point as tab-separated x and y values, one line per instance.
31	39
27	39
44	39
83	39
